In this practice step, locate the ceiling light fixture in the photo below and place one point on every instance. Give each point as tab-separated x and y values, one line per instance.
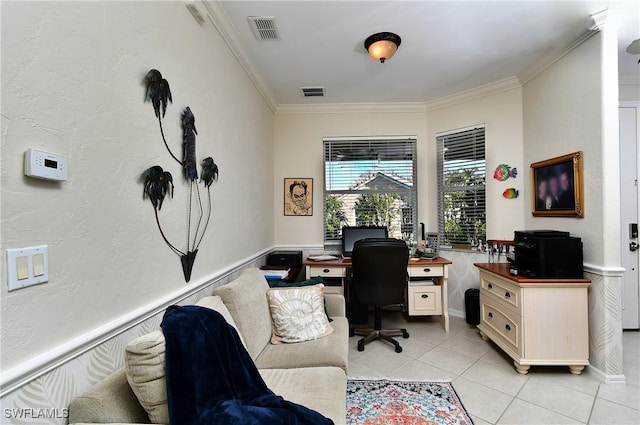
382	46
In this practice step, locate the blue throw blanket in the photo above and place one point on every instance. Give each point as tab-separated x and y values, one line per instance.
211	379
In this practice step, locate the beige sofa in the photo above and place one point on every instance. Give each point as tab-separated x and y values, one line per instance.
310	373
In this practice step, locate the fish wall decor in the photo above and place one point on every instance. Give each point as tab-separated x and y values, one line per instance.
511	193
504	171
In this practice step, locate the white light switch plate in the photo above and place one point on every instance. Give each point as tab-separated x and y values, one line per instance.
41	266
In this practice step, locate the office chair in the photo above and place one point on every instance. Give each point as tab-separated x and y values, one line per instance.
379	277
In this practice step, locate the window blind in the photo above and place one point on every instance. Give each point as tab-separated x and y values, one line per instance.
461	183
370	182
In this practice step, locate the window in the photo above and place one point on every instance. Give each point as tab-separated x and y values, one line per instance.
370	182
461	166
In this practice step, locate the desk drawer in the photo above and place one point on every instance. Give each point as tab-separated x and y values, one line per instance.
425	300
425	271
326	271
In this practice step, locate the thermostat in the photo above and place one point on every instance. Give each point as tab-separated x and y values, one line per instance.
44	165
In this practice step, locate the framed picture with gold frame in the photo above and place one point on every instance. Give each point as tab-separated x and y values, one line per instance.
557	187
298	196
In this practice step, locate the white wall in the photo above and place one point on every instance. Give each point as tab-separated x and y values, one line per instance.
502	115
573	106
629	92
563	114
298	147
72	84
299	153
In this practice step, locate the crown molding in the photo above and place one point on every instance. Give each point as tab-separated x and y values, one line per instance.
499	86
599	20
337	108
220	20
553	57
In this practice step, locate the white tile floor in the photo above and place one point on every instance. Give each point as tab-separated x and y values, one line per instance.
486	381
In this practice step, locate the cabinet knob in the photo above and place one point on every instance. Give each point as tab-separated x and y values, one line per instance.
490	286
427	270
424	296
490	314
507	295
507	327
326	271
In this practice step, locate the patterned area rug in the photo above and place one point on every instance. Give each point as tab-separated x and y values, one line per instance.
383	402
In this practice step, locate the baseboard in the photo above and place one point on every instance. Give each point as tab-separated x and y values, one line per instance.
607	379
33	368
457	313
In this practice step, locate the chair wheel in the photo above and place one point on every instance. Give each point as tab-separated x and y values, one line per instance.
360	345
405	334
398	349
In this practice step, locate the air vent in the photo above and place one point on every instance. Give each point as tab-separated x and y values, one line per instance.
312	91
264	27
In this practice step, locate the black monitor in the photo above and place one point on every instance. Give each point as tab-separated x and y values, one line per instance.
350	235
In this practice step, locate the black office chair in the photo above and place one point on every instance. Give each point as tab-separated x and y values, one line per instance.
379	277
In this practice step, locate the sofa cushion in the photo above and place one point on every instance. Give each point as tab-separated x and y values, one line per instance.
145	367
322	389
246	300
110	400
332	350
298	314
215	303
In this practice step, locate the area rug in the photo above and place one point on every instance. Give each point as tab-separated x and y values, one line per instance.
385	402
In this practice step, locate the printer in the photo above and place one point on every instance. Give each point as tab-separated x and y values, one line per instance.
547	254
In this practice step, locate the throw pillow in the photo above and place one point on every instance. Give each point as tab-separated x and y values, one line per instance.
298	314
277	283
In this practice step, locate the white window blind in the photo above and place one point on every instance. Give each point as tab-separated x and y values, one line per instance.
461	187
370	182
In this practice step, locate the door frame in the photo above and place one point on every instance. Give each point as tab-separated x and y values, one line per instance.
624	229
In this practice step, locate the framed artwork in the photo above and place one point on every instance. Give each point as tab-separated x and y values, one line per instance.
298	196
557	187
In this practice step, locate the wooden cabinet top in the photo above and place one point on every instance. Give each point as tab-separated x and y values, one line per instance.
502	270
346	262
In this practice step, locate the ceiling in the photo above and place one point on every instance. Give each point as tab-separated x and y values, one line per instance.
447	47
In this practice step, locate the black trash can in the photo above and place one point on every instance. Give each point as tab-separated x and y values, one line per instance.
472	305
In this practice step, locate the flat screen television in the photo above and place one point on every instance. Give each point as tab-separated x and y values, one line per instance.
350	235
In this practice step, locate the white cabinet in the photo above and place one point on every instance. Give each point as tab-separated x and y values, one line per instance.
535	321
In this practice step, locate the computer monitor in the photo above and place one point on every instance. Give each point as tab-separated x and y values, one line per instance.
350	235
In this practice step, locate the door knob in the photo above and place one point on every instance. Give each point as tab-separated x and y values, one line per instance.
633	247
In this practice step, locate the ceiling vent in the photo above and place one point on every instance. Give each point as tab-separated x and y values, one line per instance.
264	27
312	91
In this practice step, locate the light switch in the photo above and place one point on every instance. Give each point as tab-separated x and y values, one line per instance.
27	267
38	264
22	267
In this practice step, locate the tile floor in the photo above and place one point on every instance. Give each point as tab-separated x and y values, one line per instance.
486	381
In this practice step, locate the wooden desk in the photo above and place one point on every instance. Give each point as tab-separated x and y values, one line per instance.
535	321
422	300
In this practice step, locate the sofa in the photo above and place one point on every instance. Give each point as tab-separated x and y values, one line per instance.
312	373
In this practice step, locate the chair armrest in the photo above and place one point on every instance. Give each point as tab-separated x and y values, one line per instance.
335	305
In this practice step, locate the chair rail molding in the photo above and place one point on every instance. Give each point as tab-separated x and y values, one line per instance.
34	368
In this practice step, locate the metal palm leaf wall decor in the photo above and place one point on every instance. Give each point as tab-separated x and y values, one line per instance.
158	183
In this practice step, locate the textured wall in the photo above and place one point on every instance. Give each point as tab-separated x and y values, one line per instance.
72	83
298	153
502	115
568	108
298	146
